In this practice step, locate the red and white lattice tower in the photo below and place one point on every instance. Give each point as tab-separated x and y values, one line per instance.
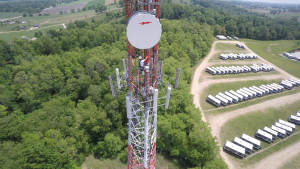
143	34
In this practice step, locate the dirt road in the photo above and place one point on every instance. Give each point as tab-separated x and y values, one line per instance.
277	159
200	82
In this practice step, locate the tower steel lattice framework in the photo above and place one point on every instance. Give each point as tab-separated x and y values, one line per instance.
141	100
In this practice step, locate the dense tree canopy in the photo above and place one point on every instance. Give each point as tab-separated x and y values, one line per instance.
230	20
56	105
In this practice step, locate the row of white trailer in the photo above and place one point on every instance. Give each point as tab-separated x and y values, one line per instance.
222	70
290	84
235	56
243	94
247	144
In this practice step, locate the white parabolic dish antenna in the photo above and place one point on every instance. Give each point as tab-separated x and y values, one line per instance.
143	30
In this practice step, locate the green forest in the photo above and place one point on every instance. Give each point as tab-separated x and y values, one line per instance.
226	18
56	106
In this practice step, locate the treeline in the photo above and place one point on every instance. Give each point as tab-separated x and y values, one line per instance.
227	19
29	6
56	105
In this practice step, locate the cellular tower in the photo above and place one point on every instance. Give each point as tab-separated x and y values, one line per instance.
142	74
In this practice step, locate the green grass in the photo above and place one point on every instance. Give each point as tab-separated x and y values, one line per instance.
294	163
30	34
224	47
249	123
9	14
270	51
50	20
92	163
222	87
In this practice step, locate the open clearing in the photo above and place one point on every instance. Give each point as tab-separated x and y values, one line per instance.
92	163
202	84
270	51
66	7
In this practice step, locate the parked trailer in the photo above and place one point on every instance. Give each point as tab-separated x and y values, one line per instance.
224	102
256	143
298	114
241	98
230	100
288	130
265	89
264	136
270	131
246	96
249	91
235	99
211	99
251	95
264	92
294	119
281	132
258	92
296	81
248	147
234	149
291	125
286	85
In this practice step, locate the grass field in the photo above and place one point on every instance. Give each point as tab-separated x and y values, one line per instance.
92	163
270	51
248	124
294	163
30	34
9	14
50	20
224	47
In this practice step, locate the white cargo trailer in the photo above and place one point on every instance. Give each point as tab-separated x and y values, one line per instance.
258	92
244	144
272	132
235	99
211	99
230	100
294	119
288	130
291	125
256	143
234	149
281	133
259	89
246	96
264	136
241	98
224	102
248	93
